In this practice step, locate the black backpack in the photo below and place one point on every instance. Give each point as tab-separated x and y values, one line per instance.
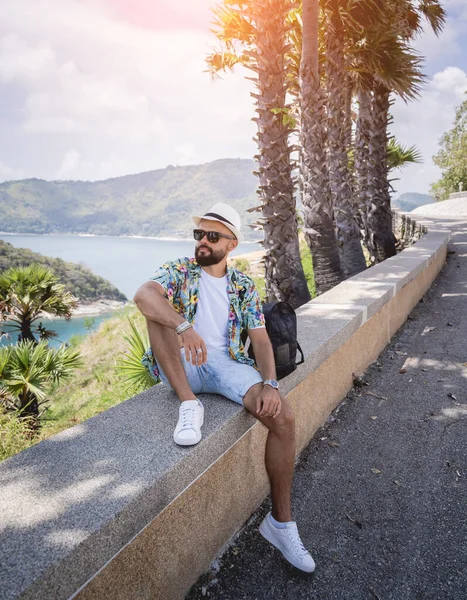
281	325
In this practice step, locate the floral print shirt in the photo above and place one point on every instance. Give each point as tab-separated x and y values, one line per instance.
180	279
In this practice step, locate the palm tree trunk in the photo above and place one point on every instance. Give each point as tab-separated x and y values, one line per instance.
361	165
348	135
29	408
26	331
285	279
345	206
316	189
379	217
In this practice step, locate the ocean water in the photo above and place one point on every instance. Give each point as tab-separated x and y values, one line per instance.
126	262
64	329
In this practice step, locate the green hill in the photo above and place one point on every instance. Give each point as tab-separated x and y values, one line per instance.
156	203
79	280
411	200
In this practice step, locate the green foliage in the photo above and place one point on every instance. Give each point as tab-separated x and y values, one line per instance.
29	294
400	156
75	340
29	371
307	263
78	280
241	264
288	118
96	385
129	365
15	434
260	285
156	203
89	323
452	157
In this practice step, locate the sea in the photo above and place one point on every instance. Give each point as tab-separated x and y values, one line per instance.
127	262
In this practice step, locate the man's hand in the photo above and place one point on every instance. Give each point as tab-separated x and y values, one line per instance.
195	348
269	402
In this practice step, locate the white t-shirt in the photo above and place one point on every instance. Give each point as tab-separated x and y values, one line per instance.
212	311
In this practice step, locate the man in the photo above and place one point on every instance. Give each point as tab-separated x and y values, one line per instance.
195	311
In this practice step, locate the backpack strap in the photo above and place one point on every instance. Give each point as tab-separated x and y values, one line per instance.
302	360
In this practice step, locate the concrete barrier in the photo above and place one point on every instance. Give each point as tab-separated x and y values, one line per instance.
458	195
113	509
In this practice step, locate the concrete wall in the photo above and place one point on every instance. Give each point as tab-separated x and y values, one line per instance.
113	509
458	195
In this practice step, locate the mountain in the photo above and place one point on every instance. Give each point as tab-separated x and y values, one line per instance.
78	280
411	200
155	203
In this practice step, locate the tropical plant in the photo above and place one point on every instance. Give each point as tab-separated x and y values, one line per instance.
89	323
315	183
30	294
254	34
384	63
29	371
452	157
400	156
129	365
339	20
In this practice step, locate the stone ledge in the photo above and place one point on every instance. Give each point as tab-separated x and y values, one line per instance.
90	506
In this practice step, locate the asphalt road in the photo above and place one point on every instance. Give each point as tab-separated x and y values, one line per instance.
380	494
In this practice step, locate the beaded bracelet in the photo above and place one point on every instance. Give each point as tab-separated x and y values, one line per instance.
182	327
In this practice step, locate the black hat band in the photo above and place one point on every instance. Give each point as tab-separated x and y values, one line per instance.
220	218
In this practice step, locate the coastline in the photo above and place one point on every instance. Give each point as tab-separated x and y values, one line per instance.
99	307
134	237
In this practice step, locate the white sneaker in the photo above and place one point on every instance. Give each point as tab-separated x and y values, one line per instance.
288	541
190	420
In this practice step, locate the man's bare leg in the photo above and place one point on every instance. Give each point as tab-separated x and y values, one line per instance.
280	460
279	454
165	346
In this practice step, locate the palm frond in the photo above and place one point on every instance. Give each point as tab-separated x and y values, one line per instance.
129	365
399	156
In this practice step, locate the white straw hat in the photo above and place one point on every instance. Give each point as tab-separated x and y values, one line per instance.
226	215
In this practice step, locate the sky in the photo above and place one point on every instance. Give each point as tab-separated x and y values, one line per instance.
92	89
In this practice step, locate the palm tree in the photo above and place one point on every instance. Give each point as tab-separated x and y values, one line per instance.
338	21
254	34
30	294
384	64
315	183
29	371
387	64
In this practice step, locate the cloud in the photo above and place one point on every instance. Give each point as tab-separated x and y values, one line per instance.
70	164
451	81
92	80
7	173
424	122
101	88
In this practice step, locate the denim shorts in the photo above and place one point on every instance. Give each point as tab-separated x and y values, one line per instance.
220	375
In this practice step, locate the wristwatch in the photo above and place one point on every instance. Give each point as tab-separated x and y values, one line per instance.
272	382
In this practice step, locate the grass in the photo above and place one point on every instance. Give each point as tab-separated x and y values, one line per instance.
97	386
15	435
307	263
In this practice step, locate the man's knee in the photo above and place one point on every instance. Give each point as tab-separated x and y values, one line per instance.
286	418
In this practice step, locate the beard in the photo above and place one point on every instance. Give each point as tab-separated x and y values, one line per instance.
211	257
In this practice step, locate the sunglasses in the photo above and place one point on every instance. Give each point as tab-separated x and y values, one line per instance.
211	236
